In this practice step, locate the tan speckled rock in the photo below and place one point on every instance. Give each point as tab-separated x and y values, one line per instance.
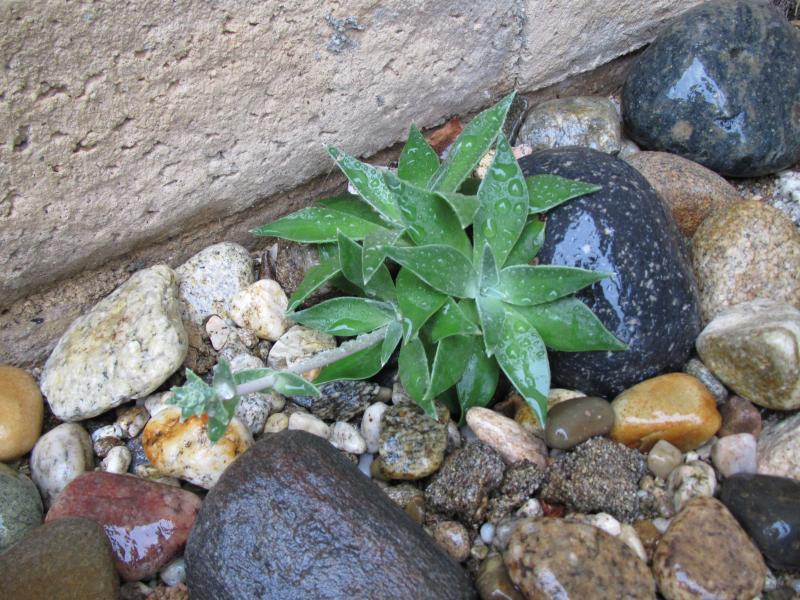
779	448
700	192
261	308
124	348
182	449
706	554
551	559
753	348
747	251
21	411
296	344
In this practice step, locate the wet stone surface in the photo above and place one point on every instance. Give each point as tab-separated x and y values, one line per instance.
574	421
412	444
340	400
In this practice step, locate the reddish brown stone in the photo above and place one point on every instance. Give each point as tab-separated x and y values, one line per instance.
739	416
441	138
552	510
147	523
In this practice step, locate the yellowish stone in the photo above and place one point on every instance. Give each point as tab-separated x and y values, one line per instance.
21	412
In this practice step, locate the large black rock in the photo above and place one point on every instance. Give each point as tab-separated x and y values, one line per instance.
720	86
651	303
293	519
769	510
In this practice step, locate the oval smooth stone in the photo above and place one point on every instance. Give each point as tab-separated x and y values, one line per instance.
574	421
768	508
650	302
147	523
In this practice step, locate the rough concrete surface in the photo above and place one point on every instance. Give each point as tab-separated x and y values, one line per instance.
141	131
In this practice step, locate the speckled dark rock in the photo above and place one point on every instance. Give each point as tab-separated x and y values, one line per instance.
340	400
292	519
768	508
412	444
20	506
462	486
520	482
651	303
720	86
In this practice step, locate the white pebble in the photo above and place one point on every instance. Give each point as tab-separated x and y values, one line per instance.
631	538
309	423
690	481
605	522
58	457
365	464
117	460
531	508
218	331
297	344
174	573
661	524
487	533
506	436
132	420
371	425
346	437
735	453
277	422
244	361
157	402
112	431
663	458
261	307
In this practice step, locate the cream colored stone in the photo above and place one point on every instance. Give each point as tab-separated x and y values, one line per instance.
21	412
218	331
58	457
692	480
117	460
735	454
663	458
261	307
506	436
132	420
309	423
346	437
297	344
628	535
277	422
371	425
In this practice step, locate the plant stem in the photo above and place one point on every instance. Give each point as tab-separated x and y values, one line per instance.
319	360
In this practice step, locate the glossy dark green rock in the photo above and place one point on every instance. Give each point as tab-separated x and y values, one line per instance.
768	508
720	86
576	420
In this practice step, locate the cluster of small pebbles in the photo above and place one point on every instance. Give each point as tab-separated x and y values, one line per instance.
668	470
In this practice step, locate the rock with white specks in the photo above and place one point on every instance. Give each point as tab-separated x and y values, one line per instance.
261	308
60	456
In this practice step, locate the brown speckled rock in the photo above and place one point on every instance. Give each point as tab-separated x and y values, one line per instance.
706	554
779	448
699	193
749	250
739	416
412	444
551	559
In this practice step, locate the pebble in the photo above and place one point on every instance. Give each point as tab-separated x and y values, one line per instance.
598	475
453	538
630	537
719	86
412	444
747	251
253	410
296	344
58	457
340	400
675	407
493	582
288	262
650	303
524	414
520	482
210	278
697	369
663	458
735	454
655	501
310	423
218	332
123	348
117	460
131	421
701	191
779	448
752	347
147	523
506	436
21	412
345	436
487	533
649	536
587	121
65	559
767	508
553	559
20	507
277	422
574	421
174	573
739	416
462	486
695	479
183	450
706	554
261	307
332	533
371	425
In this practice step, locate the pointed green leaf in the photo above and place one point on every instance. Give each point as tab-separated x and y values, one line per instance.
220	414
394	333
360	365
427	216
529	243
222	382
345	316
450	320
193	397
504	205
418	161
464	206
315	225
522	355
468	149
314	279
290	384
373	253
417	300
548	191
526	286
414	374
489	275
353	205
341	283
350	258
492	315
479	380
368	182
449	362
443	268
568	325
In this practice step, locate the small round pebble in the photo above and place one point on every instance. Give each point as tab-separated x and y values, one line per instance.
261	307
309	423
734	454
371	425
277	422
453	538
663	458
346	437
175	572
21	412
117	460
739	416
574	421
60	456
695	479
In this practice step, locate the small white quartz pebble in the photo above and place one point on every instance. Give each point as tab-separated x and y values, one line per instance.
218	331
277	422
174	573
487	533
346	437
309	423
371	425
735	453
628	535
112	431
117	460
261	307
605	522
58	457
689	481
157	402
531	508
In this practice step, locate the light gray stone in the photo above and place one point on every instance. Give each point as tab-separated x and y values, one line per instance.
60	456
261	307
779	448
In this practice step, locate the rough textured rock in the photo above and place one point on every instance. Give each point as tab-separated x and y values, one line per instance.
691	191
553	558
706	554
720	86
21	412
520	482
63	560
340	400
296	344
412	444
60	456
779	448
651	302
754	347
331	532
20	507
747	251
124	348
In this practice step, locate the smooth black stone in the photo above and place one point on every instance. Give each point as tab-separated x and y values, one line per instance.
720	86
651	303
768	509
293	519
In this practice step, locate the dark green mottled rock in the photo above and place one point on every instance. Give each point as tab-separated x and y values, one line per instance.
66	559
20	506
576	420
292	519
720	86
412	444
340	400
769	510
651	301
